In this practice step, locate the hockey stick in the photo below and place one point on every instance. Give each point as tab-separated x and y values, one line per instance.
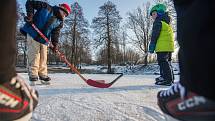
94	83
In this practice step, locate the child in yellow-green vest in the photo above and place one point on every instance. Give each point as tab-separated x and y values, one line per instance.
162	43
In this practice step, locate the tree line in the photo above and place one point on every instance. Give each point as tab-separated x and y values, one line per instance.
104	41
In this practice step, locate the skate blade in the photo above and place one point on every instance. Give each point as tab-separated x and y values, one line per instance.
25	118
45	82
170	118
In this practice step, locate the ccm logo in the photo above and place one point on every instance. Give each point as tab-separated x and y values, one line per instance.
7	100
191	102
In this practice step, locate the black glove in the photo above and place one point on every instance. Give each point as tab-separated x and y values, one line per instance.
28	19
54	47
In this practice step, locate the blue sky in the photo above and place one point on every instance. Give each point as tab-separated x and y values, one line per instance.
91	7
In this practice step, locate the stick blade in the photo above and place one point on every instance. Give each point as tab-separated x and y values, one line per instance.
98	83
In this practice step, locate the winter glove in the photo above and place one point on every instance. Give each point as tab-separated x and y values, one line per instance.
29	19
54	47
151	48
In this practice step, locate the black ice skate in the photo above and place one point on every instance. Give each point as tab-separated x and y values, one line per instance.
45	80
186	105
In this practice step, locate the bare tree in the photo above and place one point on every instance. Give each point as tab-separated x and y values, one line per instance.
124	38
120	45
140	23
105	27
21	41
76	33
132	56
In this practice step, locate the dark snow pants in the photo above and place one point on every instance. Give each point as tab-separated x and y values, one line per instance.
196	37
165	65
7	39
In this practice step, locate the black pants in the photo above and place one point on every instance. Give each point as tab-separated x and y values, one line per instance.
7	39
196	32
164	61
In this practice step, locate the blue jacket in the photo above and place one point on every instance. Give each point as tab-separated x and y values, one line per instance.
45	19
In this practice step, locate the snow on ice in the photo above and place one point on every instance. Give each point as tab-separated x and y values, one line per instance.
131	98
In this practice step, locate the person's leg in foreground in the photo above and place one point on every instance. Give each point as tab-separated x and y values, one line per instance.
193	98
17	99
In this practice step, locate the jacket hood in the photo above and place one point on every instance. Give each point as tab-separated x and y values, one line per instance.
164	17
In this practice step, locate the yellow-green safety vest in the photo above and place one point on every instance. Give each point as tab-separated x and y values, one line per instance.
165	42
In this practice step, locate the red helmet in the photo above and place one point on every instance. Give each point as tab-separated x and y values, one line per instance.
66	8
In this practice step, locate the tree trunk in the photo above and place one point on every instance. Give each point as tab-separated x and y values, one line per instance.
25	55
73	42
108	47
109	56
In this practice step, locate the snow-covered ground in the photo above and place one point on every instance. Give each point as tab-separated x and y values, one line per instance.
68	98
141	69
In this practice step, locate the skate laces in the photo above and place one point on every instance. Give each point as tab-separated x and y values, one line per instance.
175	88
